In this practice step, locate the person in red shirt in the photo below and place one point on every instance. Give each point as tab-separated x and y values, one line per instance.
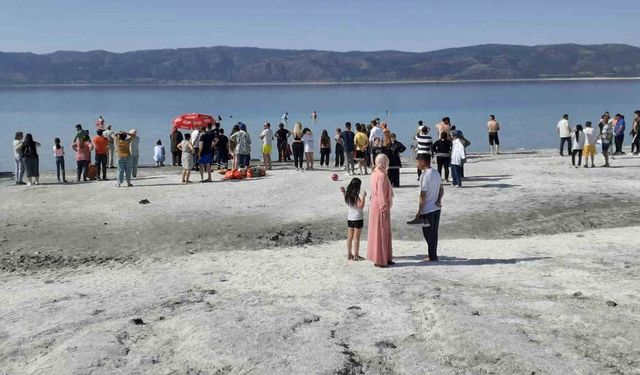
83	148
101	146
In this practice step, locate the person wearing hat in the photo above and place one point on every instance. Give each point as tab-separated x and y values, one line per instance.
635	133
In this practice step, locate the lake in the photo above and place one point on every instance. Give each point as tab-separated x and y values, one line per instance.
528	111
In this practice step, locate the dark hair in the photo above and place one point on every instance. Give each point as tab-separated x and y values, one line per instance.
324	138
338	130
19	136
122	136
78	127
587	124
221	131
268	125
305	130
281	125
424	157
578	130
493	117
28	140
393	135
352	194
99	131
57	143
187	136
209	126
444	135
347	125
565	116
420	123
159	142
376	139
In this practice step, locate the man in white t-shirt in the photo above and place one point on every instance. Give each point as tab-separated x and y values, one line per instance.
267	144
564	131
428	215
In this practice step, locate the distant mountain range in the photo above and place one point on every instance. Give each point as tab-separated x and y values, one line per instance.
257	65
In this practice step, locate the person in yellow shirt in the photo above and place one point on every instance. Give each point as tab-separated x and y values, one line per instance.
362	142
122	142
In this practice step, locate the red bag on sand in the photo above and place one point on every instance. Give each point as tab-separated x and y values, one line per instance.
228	175
250	173
237	175
262	172
92	172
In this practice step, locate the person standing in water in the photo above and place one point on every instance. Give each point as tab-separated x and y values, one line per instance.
314	116
356	200
493	127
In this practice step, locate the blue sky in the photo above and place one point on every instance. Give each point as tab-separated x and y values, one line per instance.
117	25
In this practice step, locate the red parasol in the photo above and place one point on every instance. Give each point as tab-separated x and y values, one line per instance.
191	121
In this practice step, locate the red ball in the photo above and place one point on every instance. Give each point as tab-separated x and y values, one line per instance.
334	177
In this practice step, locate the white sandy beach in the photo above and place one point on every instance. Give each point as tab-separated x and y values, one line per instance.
539	274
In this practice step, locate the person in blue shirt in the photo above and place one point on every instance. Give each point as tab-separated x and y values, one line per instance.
618	133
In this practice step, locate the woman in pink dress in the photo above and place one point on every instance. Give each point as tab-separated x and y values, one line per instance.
379	237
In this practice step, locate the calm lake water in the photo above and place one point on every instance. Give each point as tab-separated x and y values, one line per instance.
527	111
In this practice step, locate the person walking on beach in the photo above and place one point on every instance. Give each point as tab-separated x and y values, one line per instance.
297	146
123	151
424	143
578	142
31	159
325	149
458	157
159	154
348	140
379	245
176	138
361	142
83	148
309	147
589	150
187	150
101	147
442	150
18	158
635	133
205	153
282	136
493	127
430	205
134	143
618	133
339	158
58	154
564	131
110	148
394	149
267	144
355	200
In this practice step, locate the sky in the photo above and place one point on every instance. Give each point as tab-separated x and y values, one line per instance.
43	26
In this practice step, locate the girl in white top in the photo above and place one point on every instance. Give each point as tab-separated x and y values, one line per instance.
577	140
355	199
58	153
307	138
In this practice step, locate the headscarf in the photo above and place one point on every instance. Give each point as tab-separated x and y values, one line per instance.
382	163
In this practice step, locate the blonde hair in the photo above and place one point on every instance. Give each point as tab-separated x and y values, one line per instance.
297	130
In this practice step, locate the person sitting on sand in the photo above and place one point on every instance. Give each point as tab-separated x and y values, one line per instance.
159	154
379	245
589	150
493	127
187	150
356	200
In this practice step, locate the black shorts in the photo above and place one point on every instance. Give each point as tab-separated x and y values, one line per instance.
493	139
359	154
355	224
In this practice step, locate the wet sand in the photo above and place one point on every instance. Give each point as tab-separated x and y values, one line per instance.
539	274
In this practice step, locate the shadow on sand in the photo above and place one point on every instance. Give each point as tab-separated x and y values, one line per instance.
455	261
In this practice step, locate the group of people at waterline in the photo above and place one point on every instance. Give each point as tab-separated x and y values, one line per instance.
581	140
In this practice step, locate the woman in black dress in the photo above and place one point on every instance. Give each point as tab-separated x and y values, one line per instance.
393	152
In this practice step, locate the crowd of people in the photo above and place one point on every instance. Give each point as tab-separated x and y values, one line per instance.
581	140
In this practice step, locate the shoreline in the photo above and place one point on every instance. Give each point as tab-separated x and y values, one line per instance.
322	83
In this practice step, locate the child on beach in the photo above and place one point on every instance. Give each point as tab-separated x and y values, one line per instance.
187	157
159	154
355	199
58	153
